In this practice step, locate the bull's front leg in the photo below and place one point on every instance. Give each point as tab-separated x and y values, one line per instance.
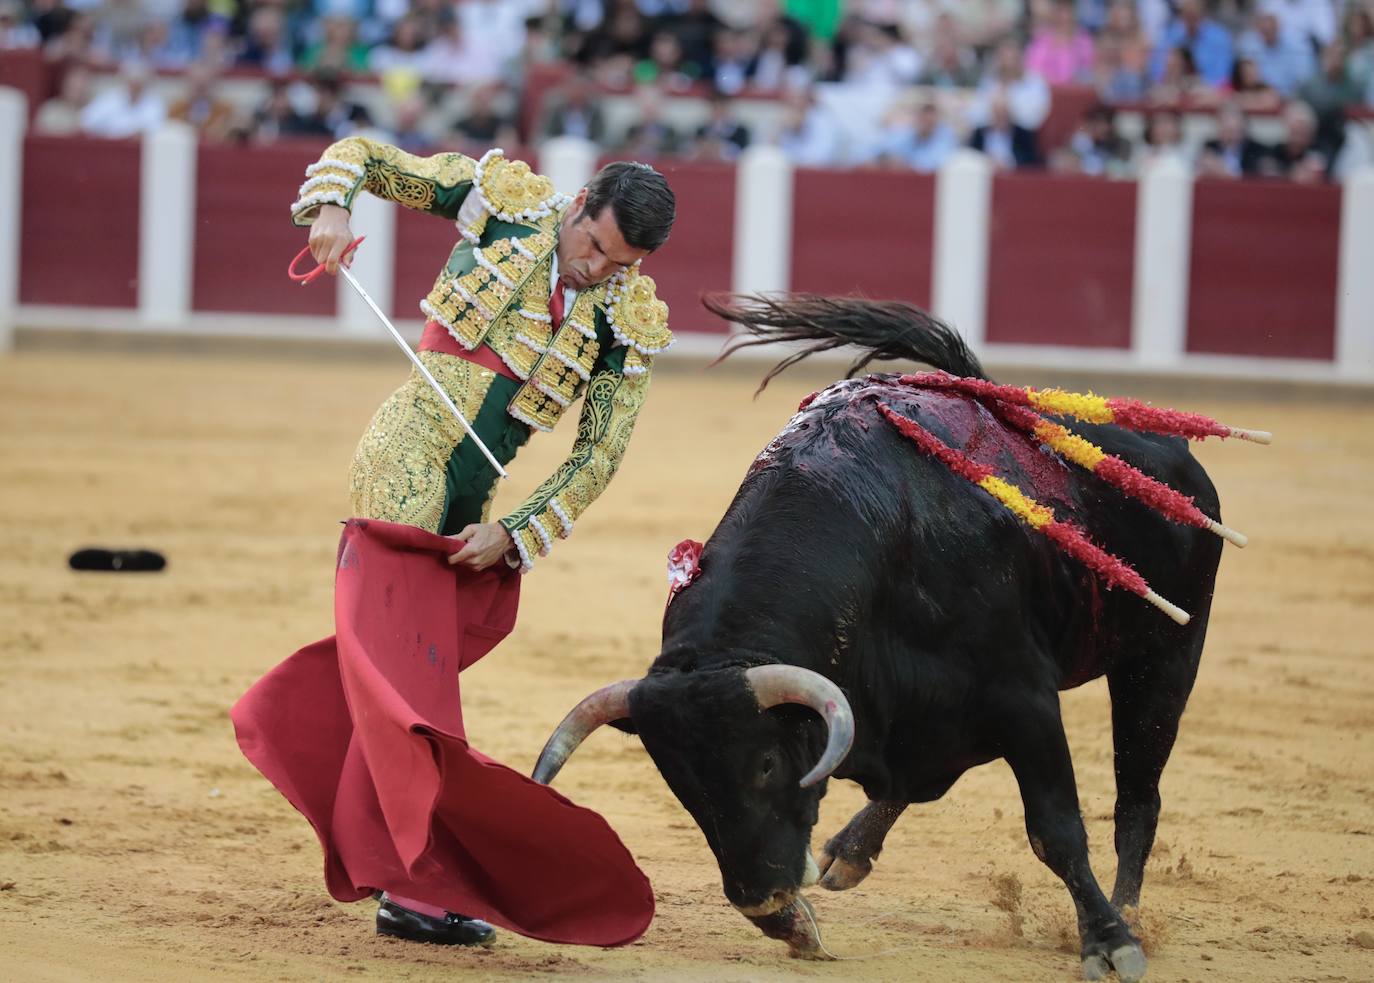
1033	742
848	856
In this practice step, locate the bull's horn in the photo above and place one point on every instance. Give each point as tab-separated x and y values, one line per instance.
606	704
773	685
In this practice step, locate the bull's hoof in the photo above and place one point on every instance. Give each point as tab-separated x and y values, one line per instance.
840	875
1128	961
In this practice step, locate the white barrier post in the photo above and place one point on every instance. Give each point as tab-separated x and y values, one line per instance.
1355	286
374	264
568	162
13	119
963	205
763	221
166	225
1163	254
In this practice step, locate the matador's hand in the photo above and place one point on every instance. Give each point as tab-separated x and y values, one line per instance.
485	545
330	236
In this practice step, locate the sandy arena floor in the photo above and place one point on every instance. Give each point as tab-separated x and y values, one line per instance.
137	844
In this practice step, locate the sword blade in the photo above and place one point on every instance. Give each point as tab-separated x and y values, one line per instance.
415	360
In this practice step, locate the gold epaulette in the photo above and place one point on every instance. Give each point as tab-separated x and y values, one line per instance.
636	315
507	190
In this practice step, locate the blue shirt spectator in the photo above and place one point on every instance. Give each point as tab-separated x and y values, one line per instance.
1284	61
1208	41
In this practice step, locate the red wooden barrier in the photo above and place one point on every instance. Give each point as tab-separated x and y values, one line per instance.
698	257
870	233
79	231
1262	279
1061	261
244	237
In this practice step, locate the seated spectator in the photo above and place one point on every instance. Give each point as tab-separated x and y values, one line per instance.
189	29
1123	73
496	27
482	125
984	24
1208	43
333	116
1061	51
276	117
696	31
1026	94
1359	42
781	59
721	137
809	136
1180	84
1163	139
268	44
733	57
650	136
950	66
126	109
405	50
919	139
1233	153
60	116
1249	90
408	131
1010	146
1330	93
338	49
1122	25
455	57
1283	61
15	31
119	25
878	56
1298	157
575	111
664	66
1310	22
1096	148
211	117
76	44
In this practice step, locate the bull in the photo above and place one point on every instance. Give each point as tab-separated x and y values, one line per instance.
863	613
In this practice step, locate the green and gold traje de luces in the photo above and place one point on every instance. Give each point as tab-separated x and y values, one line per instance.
494	291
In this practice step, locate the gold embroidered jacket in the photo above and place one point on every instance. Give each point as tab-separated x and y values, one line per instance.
494	290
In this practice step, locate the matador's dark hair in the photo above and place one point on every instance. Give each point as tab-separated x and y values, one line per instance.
641	201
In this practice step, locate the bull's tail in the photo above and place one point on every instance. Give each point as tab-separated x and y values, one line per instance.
881	329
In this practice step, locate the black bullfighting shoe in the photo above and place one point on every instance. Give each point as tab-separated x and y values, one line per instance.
402	923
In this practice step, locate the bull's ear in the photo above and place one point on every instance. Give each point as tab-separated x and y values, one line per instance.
626	726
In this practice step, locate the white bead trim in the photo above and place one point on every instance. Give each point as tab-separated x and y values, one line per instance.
535	316
521	248
571	363
567	523
551	393
491	268
522	374
319	198
462	291
321	181
583	330
519	415
526	564
469	235
545	540
531	344
635	369
341	165
427	309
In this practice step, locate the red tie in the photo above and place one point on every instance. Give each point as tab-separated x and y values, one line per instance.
556	305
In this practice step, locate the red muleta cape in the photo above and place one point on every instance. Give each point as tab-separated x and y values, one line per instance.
363	733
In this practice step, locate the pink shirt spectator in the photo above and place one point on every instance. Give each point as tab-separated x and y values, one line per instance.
1061	61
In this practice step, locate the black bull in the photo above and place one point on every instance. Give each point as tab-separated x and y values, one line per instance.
949	627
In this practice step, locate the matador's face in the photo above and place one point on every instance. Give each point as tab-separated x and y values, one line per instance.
592	250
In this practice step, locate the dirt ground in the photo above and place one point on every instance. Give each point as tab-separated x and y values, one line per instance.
137	844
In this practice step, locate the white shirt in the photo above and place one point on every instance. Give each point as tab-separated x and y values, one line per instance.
569	294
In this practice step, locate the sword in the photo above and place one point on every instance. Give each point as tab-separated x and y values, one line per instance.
305	278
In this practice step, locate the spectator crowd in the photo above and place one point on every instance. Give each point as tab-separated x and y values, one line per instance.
893	83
